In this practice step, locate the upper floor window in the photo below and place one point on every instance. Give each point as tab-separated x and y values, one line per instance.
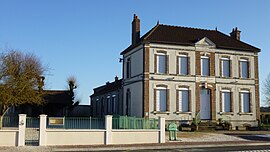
205	66
97	106
245	101
183	100
183	64
161	99
226	101
225	67
109	104
114	104
128	68
244	68
161	63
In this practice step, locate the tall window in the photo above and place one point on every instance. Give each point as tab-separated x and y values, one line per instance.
109	107
226	101
97	106
245	101
161	99
114	104
128	98
183	65
244	68
102	106
161	63
205	67
128	68
225	67
183	97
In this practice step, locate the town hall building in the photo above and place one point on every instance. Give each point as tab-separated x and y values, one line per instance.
179	72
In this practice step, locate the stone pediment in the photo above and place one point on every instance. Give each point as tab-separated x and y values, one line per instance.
205	42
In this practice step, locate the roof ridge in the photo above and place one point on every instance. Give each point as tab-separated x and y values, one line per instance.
150	32
187	27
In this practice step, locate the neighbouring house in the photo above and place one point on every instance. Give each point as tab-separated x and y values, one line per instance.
265	115
177	72
57	103
107	99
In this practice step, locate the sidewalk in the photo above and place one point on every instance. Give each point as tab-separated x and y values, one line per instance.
185	140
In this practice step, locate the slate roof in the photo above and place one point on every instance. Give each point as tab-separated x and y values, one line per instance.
108	87
189	36
57	96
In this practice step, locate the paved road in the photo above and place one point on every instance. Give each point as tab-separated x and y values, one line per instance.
207	149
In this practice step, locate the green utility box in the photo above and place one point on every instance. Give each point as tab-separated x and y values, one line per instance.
172	130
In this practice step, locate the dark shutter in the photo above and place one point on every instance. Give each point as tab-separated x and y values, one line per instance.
177	100
167	64
168	99
155	99
231	93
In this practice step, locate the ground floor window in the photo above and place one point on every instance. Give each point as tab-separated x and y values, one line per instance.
161	99
245	101
226	101
183	100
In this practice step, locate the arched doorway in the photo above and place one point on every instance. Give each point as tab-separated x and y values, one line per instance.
205	104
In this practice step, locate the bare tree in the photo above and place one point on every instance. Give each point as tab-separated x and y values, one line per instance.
21	80
72	83
266	90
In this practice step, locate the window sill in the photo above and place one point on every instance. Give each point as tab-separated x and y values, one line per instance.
180	112
161	112
226	113
243	113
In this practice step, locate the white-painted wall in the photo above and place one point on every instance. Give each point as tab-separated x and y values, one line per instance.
9	137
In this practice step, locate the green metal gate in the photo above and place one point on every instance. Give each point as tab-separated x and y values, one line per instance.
32	131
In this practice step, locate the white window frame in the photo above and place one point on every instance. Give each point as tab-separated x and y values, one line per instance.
157	62
179	65
157	99
180	102
242	100
205	57
223	101
244	60
109	104
128	68
222	68
114	103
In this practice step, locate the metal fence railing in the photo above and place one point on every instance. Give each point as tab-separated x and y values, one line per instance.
10	121
125	122
76	123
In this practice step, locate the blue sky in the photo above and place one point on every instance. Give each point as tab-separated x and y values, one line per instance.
84	38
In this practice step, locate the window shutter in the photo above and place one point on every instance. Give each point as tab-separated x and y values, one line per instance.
188	65
167	64
155	99
239	69
189	100
168	100
177	100
248	70
250	103
231	102
155	64
220	101
220	68
178	65
230	68
180	101
240	102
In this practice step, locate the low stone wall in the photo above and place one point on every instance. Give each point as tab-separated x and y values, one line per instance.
9	137
74	137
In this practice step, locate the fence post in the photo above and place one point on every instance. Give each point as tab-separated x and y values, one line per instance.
108	127
42	130
22	126
161	124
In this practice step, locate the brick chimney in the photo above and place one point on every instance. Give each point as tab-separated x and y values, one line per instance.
235	34
135	29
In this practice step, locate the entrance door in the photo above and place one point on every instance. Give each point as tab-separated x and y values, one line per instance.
205	104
